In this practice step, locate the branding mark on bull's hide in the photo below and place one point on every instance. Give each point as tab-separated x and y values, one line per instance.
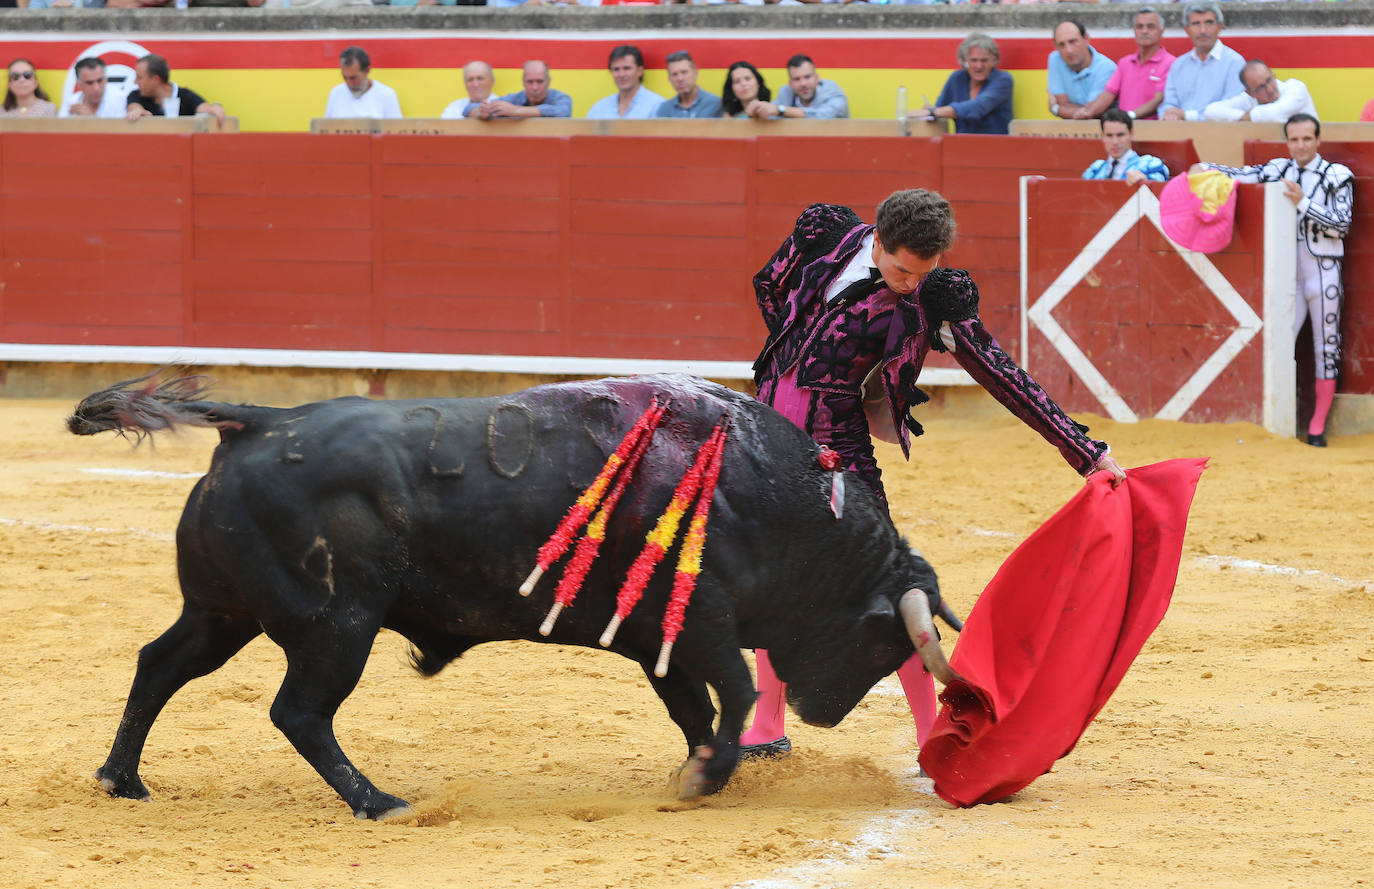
319	563
431	451
602	422
510	438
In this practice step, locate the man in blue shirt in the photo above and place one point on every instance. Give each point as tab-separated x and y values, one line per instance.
1206	74
690	101
1077	72
805	95
535	100
1122	162
630	101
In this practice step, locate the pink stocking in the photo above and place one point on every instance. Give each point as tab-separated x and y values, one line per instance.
771	711
920	696
1326	393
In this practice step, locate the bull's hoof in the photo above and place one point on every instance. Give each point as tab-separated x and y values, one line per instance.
383	807
694	780
123	788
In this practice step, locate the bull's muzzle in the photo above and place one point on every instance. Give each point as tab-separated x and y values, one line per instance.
915	609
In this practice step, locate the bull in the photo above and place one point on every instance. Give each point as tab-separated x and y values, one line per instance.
321	524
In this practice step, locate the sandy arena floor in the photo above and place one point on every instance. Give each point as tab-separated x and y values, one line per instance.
1239	751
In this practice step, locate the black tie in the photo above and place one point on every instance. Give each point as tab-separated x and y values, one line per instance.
861	288
1112	173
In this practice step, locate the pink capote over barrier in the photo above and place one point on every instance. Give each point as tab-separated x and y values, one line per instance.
1055	631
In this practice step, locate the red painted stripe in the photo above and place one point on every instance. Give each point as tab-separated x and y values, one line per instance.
905	52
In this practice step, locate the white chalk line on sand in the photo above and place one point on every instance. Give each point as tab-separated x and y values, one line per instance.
1251	565
137	473
87	529
879	837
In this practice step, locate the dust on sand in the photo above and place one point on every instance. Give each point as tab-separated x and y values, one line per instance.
1239	750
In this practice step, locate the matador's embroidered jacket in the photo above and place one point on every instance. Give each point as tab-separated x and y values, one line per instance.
834	346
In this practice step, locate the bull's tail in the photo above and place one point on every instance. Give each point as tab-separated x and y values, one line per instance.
161	400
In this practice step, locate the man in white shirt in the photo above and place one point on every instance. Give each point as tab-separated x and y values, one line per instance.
478	78
1266	98
359	95
630	101
96	99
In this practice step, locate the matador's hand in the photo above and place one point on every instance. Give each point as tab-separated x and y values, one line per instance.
1106	464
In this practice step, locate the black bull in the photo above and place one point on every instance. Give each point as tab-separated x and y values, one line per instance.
321	524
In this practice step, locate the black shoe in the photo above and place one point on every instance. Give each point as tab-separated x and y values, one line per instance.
772	750
1318	440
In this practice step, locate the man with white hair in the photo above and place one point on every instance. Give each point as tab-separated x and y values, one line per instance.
478	79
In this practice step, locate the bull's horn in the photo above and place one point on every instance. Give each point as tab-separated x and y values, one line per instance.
919	626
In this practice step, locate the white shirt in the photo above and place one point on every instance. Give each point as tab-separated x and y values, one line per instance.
857	270
115	103
1293	99
642	106
379	101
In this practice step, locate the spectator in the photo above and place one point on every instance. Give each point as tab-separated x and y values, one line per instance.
24	97
1077	72
630	101
535	100
96	98
691	101
66	4
743	84
1323	194
359	95
804	95
1266	98
1137	86
977	97
478	79
155	94
1122	161
1204	74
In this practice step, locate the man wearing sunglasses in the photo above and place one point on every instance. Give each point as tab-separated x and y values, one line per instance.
96	97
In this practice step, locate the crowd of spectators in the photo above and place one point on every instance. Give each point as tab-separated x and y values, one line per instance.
1208	81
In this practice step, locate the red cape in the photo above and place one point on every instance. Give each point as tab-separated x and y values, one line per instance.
1054	633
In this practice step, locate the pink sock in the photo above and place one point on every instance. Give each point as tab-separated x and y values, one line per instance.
771	710
1326	393
920	696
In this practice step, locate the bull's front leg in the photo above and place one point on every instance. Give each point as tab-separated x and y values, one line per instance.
322	670
709	765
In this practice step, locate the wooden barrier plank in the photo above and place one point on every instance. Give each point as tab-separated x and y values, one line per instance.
469	280
458	311
469	151
113	279
466	246
710	184
93	334
708	286
67	181
918	160
301	212
471	342
286	307
504	182
628	152
272	335
655	252
89	246
316	245
122	151
78	215
73	307
650	218
277	148
283	180
853	189
341	279
461	214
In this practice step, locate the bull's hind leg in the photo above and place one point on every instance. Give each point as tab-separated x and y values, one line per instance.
197	644
322	669
688	704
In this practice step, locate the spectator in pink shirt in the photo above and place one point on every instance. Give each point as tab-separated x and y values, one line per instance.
1137	87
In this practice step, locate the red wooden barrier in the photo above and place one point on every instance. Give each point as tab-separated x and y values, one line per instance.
619	247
